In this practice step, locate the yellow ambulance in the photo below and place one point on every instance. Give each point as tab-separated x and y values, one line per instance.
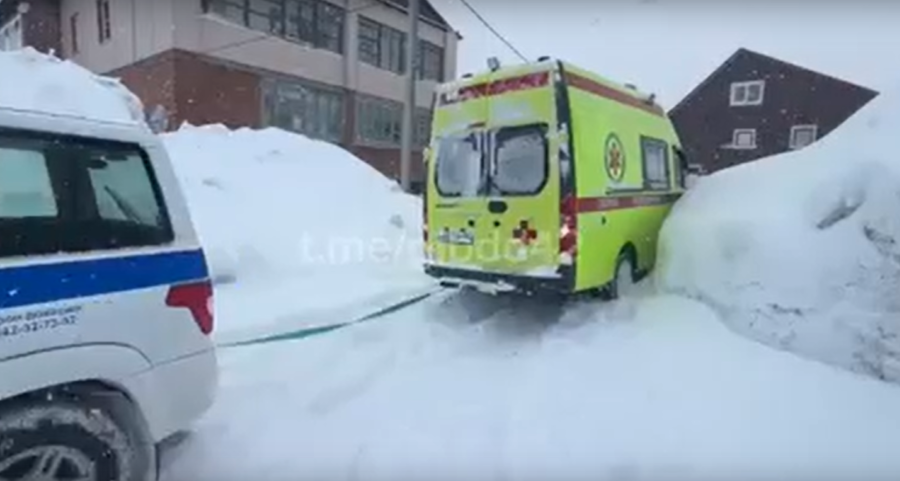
546	178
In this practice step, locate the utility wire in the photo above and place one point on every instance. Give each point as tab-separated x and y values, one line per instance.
493	30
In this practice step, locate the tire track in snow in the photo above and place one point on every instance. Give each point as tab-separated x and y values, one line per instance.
411	358
391	345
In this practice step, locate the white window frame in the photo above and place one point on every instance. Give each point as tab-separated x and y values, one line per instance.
736	87
6	28
794	129
737	133
104	21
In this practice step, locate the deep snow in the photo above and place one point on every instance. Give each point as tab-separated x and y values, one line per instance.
295	228
800	250
466	387
31	80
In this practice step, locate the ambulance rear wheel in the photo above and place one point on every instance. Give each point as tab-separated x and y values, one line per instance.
624	278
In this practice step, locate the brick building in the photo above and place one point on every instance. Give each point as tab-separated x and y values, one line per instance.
330	69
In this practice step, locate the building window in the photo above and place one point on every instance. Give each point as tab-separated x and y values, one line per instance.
431	61
73	32
747	93
381	46
655	155
104	24
369	42
743	139
315	112
681	166
315	22
385	47
803	135
379	121
11	34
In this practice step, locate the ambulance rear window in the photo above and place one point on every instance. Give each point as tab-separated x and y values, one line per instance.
74	194
459	166
521	164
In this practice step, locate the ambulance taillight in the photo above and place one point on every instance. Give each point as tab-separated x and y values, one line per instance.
568	233
197	298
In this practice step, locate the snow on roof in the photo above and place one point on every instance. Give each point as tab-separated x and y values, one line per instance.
38	82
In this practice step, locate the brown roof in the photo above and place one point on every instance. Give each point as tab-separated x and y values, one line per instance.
741	52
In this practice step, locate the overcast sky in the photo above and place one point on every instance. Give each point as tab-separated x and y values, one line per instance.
668	46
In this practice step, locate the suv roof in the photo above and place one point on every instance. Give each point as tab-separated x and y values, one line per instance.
75	125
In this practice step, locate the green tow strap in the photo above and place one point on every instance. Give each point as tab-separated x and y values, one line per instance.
314	331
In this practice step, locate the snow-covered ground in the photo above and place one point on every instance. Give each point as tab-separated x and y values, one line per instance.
465	387
470	387
800	250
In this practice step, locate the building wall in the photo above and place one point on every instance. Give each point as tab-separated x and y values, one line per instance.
41	27
232	99
143	29
37	27
792	96
140	29
179	81
152	80
204	69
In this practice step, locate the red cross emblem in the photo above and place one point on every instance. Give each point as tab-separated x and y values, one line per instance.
615	158
524	233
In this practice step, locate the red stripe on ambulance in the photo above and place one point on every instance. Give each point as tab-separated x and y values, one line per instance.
497	87
583	83
605	204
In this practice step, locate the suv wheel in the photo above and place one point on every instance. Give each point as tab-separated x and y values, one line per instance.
62	440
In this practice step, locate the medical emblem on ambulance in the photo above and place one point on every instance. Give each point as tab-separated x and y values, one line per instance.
614	158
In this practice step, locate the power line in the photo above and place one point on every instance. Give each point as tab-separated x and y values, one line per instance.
493	30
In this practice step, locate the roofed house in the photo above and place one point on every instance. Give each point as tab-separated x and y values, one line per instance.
755	106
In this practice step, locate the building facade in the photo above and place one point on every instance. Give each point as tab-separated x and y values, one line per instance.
330	69
755	106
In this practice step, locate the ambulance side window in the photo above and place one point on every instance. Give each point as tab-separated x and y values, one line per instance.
681	166
73	194
655	155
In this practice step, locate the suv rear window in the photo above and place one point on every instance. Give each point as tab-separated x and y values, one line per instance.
459	166
73	194
521	163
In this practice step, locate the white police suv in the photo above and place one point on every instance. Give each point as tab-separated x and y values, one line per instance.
105	302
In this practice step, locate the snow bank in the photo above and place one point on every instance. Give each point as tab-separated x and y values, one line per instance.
30	80
800	250
294	224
